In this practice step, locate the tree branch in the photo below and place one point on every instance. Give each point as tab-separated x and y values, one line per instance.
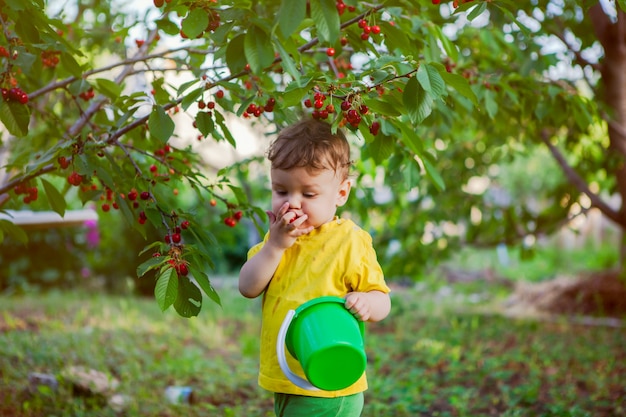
579	182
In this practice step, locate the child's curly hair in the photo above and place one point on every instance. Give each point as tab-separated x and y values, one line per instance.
311	144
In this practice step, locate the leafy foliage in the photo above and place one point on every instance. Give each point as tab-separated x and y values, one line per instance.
434	96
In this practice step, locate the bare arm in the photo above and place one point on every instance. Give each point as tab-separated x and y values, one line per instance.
369	306
258	271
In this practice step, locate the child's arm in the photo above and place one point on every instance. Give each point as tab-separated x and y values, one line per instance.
257	272
369	306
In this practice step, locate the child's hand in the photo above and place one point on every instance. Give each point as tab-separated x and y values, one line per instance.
285	227
358	304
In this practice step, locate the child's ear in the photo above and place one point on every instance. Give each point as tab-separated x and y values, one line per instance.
344	192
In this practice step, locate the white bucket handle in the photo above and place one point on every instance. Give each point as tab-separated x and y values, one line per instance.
282	359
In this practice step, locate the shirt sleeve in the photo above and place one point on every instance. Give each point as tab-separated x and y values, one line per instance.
366	274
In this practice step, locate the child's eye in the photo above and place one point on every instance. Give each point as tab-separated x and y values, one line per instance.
280	192
309	195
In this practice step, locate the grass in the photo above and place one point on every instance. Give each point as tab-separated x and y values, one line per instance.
429	358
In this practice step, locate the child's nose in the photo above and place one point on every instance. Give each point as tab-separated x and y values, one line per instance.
294	201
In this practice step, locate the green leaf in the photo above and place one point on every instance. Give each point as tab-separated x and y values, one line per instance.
258	49
417	101
432	173
189	299
166	289
491	105
15	117
430	80
324	14
191	97
12	230
195	23
448	46
287	61
622	4
160	124
290	14
235	57
460	84
219	118
56	200
150	264
204	123
109	88
477	11
203	281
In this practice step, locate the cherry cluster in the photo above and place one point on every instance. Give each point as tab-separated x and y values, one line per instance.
231	221
341	7
87	95
15	94
353	111
367	30
50	59
321	110
257	110
30	193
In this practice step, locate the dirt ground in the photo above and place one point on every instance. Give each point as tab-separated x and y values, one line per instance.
599	294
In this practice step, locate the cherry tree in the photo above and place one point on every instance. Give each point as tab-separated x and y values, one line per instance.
437	94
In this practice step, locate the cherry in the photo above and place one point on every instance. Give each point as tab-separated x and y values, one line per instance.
436	1
213	203
308	103
184	225
345	105
318	104
374	128
330	51
153	168
375	29
132	195
362	23
75	179
219	93
238	215
182	269
230	222
63	162
144	195
176	238
106	207
158	3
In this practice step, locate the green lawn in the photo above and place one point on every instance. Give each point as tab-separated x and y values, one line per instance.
429	358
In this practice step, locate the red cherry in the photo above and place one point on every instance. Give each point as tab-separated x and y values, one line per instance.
182	269
219	93
345	105
132	196
153	168
184	225
375	29
238	215
308	103
176	238
144	195
330	51
362	23
230	222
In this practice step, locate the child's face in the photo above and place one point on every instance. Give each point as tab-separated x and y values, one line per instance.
316	194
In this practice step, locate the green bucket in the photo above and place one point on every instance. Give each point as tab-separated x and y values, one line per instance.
327	340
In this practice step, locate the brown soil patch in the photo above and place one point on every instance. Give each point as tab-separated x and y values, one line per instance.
601	294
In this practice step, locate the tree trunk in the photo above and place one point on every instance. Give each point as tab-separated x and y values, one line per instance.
612	36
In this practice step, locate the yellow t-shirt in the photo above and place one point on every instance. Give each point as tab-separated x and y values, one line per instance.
334	259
